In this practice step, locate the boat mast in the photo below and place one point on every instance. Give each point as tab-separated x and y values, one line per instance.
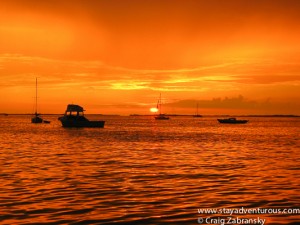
36	96
160	103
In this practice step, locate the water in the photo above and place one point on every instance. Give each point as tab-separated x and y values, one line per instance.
140	171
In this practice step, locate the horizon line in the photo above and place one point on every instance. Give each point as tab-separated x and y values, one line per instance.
202	115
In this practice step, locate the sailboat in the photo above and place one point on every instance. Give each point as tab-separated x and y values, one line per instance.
160	116
37	118
197	114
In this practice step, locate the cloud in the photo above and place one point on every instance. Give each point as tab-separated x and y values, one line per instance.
234	102
18	68
19	71
239	104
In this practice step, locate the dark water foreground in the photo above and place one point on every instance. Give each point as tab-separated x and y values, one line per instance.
141	171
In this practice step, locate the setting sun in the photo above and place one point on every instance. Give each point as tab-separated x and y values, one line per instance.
154	110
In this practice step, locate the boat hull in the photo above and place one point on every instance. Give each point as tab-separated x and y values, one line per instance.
36	119
197	116
81	123
161	117
232	121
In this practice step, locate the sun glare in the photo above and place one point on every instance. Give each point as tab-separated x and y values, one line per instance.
153	110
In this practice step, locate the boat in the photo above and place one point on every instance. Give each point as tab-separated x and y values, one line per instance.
160	116
197	114
37	118
232	121
74	117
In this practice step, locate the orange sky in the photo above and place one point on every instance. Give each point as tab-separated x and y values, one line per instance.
116	56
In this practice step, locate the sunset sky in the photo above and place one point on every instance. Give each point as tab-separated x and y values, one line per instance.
117	56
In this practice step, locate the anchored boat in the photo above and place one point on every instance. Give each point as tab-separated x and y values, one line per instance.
232	121
160	116
197	113
37	118
74	117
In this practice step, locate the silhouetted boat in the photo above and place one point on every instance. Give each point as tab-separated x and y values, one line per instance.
197	113
74	117
232	121
160	116
37	118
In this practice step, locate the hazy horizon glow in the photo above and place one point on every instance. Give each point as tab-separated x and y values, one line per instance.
236	57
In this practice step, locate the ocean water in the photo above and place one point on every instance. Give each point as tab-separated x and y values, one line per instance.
141	171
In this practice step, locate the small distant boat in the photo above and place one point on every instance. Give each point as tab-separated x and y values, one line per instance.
160	116
197	113
74	117
37	118
232	121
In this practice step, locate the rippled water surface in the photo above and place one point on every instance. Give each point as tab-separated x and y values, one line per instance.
140	171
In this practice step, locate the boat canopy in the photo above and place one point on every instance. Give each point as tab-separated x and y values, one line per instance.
74	108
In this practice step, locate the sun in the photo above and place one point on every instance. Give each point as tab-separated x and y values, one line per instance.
154	110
